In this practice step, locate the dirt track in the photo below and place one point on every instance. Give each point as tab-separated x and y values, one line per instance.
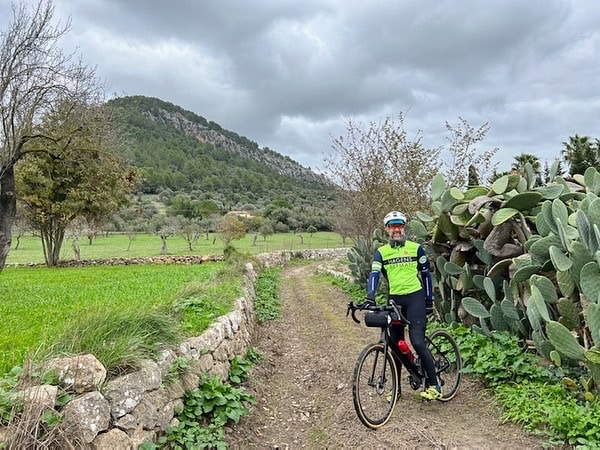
304	391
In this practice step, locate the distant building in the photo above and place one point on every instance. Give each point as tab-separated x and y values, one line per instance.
245	214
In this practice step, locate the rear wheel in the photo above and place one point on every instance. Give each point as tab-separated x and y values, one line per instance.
374	386
448	363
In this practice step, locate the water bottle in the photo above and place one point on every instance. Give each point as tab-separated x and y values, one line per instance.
405	349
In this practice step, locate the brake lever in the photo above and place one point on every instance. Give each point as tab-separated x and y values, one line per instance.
352	308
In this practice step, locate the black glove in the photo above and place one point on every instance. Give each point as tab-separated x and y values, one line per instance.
368	302
428	306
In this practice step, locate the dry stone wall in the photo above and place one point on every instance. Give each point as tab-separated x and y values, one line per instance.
124	412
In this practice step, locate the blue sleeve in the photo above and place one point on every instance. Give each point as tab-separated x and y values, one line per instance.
373	281
423	266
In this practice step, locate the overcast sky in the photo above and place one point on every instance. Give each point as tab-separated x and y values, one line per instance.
289	74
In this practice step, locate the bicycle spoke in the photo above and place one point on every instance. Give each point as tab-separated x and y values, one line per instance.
374	387
447	361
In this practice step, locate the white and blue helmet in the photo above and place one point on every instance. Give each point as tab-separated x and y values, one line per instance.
394	217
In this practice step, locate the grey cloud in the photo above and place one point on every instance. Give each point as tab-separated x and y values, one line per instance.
287	74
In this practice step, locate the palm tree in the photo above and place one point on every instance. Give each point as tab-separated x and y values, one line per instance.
580	153
547	169
524	158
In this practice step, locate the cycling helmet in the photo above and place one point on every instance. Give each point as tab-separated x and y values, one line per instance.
394	217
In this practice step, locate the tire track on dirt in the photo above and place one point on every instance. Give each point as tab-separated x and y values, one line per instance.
303	386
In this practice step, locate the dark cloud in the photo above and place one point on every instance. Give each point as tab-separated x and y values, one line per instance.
288	74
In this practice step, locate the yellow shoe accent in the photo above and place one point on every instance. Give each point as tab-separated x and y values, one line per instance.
388	397
431	393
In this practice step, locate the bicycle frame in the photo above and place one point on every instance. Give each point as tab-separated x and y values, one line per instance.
377	385
409	364
417	375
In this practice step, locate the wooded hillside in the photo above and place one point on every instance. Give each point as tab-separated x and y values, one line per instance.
178	150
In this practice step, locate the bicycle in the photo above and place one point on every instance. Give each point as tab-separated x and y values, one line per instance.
376	380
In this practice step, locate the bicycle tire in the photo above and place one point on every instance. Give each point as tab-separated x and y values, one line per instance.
448	362
374	397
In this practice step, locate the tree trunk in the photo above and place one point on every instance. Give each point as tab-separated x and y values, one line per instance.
52	239
164	250
8	209
76	249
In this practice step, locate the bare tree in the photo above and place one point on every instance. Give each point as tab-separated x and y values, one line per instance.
380	169
35	75
466	161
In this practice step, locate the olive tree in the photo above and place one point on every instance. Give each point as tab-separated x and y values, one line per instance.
71	174
230	228
35	74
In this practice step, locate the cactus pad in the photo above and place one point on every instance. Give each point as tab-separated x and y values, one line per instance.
564	342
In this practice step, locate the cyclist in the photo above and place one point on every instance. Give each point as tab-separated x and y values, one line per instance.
405	266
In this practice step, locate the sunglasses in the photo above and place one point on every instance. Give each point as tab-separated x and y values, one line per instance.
396	225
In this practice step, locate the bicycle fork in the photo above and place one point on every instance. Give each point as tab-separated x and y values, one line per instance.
378	380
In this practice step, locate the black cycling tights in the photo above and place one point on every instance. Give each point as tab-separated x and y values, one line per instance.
413	308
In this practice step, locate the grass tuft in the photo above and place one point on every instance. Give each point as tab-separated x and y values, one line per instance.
120	339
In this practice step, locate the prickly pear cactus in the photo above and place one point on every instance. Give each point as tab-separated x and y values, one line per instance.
523	258
361	256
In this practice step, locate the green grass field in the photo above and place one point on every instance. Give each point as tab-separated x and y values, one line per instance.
39	305
28	249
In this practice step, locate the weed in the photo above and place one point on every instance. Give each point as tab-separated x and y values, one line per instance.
240	368
547	408
176	368
497	359
267	305
205	412
10	403
209	408
201	302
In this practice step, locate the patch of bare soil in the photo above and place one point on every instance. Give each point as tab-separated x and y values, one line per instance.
304	386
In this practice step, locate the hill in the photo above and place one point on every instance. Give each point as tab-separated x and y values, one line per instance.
178	150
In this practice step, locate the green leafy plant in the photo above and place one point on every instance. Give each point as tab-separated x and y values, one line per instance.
240	367
547	408
498	358
176	368
9	401
205	412
267	305
192	434
51	419
222	402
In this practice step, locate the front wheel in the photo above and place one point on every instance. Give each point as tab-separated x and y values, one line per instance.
448	363
374	387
